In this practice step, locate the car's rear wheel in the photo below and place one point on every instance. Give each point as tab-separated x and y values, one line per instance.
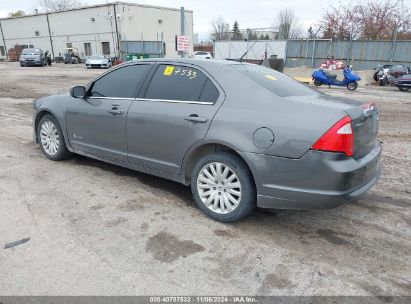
223	187
51	139
402	88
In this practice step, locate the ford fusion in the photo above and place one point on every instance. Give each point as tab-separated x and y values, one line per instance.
241	135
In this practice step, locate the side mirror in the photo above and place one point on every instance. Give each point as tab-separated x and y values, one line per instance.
78	92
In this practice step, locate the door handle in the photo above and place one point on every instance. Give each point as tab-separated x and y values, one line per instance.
115	112
195	118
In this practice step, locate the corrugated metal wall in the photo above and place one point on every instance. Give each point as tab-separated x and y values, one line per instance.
363	55
152	48
236	49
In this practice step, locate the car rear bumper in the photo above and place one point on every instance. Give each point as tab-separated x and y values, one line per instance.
315	181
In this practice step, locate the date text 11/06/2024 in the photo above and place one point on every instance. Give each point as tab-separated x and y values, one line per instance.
205	299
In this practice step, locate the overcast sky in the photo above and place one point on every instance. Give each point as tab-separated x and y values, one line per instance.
255	13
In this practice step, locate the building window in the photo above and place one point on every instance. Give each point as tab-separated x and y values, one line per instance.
69	45
37	33
2	53
87	49
105	46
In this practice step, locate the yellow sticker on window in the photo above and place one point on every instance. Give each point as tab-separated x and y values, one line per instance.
270	77
168	71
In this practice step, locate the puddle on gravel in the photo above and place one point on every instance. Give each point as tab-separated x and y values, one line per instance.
166	248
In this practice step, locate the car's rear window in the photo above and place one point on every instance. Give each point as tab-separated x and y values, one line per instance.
273	81
201	53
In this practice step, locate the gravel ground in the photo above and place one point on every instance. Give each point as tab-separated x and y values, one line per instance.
98	229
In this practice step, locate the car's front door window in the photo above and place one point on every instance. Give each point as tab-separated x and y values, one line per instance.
120	83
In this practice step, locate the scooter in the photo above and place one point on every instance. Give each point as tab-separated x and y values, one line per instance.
350	79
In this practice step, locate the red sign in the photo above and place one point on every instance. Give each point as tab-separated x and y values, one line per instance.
182	43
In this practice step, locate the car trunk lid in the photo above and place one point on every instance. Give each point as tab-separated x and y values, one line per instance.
365	128
364	118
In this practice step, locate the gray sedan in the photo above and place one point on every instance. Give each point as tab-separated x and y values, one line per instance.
240	135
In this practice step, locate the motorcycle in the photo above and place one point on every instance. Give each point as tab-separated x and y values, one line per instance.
389	75
350	79
380	71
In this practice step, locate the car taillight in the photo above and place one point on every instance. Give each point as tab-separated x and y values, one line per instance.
339	138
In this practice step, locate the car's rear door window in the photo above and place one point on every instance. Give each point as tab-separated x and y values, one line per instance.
276	82
181	83
121	83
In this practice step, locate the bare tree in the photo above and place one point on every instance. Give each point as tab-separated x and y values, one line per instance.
288	25
377	19
60	5
384	19
220	28
342	22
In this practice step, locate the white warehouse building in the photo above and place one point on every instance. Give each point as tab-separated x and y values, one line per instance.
112	29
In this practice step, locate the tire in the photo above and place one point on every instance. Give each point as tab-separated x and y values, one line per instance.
220	200
52	129
376	76
22	65
317	83
352	86
403	89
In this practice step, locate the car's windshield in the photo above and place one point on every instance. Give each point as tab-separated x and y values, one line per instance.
201	53
30	52
274	81
97	57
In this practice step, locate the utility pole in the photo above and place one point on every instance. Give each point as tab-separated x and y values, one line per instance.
315	36
51	39
117	35
393	46
182	26
4	41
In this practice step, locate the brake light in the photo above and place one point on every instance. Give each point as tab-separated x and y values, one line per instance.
339	138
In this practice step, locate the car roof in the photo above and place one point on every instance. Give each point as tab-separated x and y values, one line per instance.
195	61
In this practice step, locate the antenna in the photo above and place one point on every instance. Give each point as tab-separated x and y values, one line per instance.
241	58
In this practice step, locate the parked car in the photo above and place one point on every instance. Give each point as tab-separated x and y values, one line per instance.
98	61
403	82
32	57
241	135
202	55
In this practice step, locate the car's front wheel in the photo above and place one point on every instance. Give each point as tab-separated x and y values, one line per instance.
222	186
51	139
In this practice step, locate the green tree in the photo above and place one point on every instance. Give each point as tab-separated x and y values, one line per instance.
18	13
236	31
